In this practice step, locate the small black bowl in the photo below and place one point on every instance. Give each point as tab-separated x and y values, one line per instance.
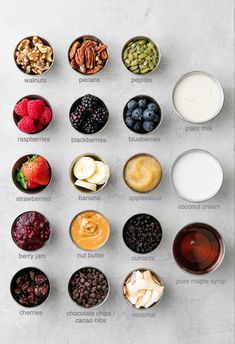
70	285
137	127
87	118
140	239
32	97
15	169
14	286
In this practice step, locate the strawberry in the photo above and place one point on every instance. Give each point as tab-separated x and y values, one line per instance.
36	170
32	185
46	116
26	124
35	108
21	108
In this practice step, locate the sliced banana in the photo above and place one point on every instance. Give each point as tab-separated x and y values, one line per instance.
86	185
101	174
84	168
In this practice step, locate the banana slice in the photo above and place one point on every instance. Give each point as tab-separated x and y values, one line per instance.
84	167
101	174
86	185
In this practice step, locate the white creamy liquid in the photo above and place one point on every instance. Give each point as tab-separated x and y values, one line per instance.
196	175
197	97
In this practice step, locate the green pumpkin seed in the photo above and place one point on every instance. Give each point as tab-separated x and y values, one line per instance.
134	63
140	56
143	71
132	68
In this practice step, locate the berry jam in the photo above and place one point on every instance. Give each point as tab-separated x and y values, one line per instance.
30	231
198	248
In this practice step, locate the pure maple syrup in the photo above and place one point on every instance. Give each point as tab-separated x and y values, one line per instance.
198	248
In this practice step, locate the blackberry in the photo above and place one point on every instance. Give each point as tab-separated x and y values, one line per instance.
89	102
76	120
100	115
90	127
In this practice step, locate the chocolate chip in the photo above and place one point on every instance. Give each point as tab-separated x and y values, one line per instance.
88	287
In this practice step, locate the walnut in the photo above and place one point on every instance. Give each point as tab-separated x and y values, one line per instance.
33	56
24	43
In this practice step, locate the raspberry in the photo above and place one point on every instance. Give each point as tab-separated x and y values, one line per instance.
46	116
39	127
21	108
26	124
35	108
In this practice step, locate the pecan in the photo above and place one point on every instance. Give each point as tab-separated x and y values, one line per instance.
79	58
104	55
73	64
98	61
101	47
88	58
94	70
83	69
73	49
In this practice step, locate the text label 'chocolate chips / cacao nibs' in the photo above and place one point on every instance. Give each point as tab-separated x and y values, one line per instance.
88	287
30	287
142	233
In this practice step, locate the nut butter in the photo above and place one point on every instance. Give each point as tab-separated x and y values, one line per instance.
89	230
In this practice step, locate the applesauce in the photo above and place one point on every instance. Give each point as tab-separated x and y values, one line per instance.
142	173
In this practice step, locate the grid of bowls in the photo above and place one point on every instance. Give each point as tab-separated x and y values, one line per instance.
88	287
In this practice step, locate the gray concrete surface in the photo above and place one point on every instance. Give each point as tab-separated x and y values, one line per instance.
192	35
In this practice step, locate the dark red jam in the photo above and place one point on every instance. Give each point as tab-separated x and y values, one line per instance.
30	231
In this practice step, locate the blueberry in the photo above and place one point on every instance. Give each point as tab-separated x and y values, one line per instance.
154	107
149	115
129	121
142	103
156	118
137	114
128	113
138	127
149	126
132	105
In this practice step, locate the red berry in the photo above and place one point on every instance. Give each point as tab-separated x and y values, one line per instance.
46	116
26	124
32	185
35	108
39	127
21	108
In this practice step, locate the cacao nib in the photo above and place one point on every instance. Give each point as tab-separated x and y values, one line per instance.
88	287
